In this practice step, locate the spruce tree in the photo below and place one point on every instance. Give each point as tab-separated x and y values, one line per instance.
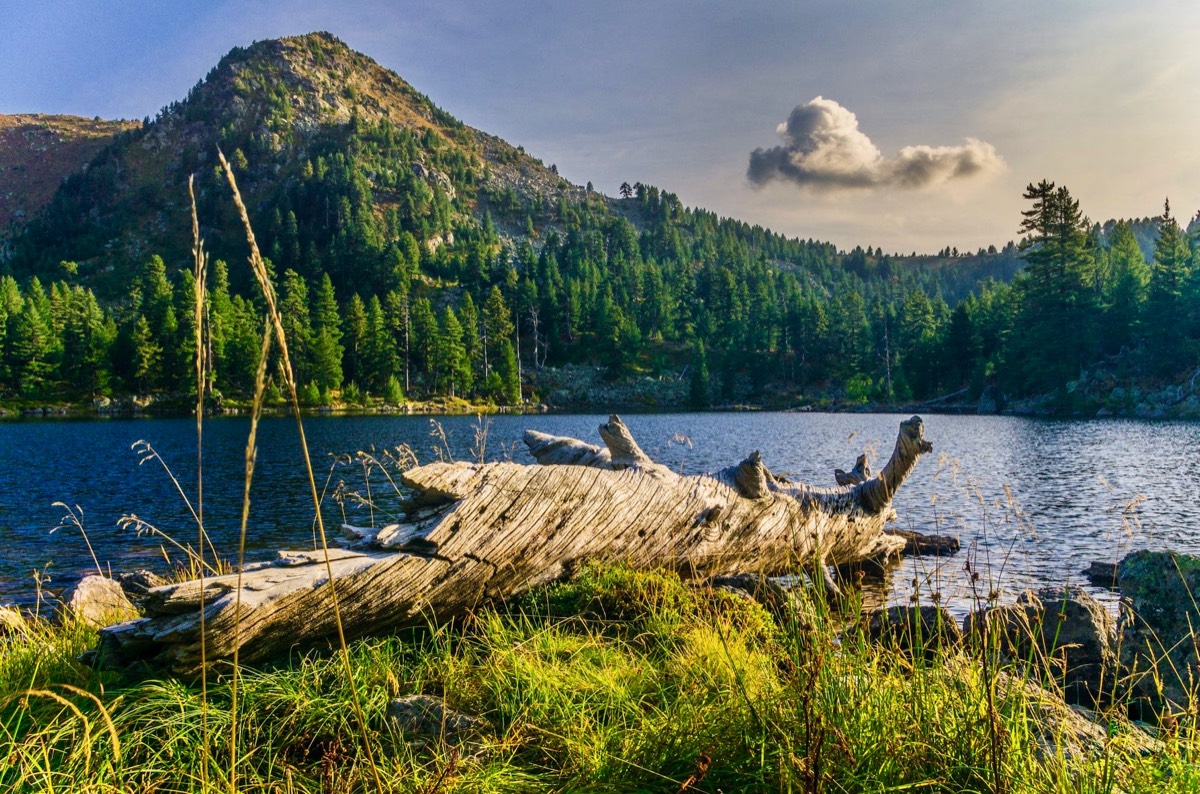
1125	289
297	325
327	340
1167	314
1059	305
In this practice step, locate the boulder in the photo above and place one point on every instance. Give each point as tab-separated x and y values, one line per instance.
139	583
1158	613
12	622
422	716
908	628
99	601
1101	574
1059	634
918	544
1070	732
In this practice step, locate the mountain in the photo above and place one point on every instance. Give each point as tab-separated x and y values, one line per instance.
314	129
37	152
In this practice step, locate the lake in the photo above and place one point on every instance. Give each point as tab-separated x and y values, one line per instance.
1032	500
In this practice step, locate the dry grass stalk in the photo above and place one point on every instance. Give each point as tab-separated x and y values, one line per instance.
260	379
264	280
198	288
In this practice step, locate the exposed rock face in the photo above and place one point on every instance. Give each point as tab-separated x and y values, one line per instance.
1063	633
12	622
908	628
426	716
1159	617
38	151
100	601
1071	732
138	583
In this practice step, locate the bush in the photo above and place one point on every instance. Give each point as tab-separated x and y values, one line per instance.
393	394
310	394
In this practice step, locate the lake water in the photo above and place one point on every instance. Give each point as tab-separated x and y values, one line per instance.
1033	501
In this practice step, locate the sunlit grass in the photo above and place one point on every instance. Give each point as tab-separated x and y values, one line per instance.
619	681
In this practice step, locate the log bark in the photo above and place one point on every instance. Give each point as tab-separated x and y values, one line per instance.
478	532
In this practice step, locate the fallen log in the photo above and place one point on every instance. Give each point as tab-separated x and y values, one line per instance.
477	532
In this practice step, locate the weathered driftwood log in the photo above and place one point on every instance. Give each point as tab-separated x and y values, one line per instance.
482	531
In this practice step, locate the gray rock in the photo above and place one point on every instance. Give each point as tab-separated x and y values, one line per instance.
1158	615
426	716
920	544
99	601
1062	634
139	583
1071	732
908	628
762	589
1102	574
12	622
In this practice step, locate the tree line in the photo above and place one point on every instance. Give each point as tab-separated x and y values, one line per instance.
741	310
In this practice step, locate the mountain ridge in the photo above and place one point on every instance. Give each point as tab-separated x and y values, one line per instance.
38	151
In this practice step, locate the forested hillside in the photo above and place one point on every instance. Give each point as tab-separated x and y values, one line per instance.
419	257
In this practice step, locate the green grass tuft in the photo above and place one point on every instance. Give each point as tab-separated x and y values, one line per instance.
618	681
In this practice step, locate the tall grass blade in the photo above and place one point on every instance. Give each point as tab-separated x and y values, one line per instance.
260	379
260	272
198	289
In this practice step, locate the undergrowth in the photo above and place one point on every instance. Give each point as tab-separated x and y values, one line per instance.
618	681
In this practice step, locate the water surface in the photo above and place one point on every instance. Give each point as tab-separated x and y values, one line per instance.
1033	501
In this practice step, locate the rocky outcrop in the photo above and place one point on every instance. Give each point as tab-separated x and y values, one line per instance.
919	544
1158	623
99	601
1060	634
912	628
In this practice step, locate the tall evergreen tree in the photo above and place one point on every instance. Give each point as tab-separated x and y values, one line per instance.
1059	304
327	340
1125	289
297	325
1168	320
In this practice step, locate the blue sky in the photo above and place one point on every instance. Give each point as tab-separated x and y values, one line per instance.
1099	96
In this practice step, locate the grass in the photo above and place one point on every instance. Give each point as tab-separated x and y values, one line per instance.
619	681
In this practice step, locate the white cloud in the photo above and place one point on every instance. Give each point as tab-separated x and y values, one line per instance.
823	149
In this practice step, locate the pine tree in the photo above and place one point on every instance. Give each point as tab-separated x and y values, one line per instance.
1167	315
468	317
497	327
1125	290
327	340
1059	304
147	357
379	352
297	326
355	334
425	340
454	374
30	349
87	335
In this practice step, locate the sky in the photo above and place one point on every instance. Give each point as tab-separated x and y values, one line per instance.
909	125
